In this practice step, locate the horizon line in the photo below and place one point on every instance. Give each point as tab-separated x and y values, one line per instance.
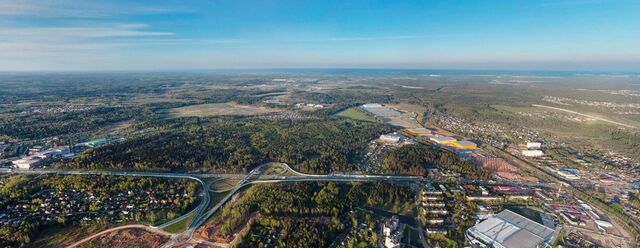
603	71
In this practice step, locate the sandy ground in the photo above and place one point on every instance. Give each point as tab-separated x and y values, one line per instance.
125	236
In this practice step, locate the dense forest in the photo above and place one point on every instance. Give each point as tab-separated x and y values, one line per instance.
416	159
237	145
35	194
42	125
306	214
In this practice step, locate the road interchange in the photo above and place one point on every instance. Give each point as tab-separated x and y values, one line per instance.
255	176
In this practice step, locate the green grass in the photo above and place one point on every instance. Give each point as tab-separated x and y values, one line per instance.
278	170
225	184
63	236
511	108
411	237
215	198
356	114
180	226
408	107
216	109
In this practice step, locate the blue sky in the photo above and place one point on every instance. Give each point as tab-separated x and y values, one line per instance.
212	34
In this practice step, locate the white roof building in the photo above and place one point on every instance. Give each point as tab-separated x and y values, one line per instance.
508	229
28	162
532	153
442	139
392	234
372	105
390	138
534	145
568	174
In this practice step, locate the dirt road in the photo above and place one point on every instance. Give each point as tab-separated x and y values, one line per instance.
585	115
146	228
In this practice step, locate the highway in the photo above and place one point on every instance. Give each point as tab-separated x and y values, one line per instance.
125	173
254	177
201	215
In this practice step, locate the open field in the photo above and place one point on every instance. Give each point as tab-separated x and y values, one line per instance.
586	115
593	118
63	236
217	109
215	198
179	226
277	169
356	114
512	109
126	236
225	184
408	107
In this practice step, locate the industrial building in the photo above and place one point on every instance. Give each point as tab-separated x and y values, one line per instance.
29	162
532	153
536	145
390	138
442	140
39	157
380	111
372	105
463	145
569	174
508	229
419	131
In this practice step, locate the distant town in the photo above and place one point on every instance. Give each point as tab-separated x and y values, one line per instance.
277	164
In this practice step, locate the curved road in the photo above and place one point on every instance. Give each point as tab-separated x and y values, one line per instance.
145	227
201	215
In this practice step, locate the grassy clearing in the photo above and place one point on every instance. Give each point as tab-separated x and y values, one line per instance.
63	236
405	209
278	170
411	237
216	109
180	226
511	109
216	198
225	184
356	114
408	107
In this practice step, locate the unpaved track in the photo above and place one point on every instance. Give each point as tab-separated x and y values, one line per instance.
585	115
146	228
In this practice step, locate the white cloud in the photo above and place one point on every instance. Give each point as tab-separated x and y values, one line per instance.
53	48
77	9
38	43
358	38
75	33
400	37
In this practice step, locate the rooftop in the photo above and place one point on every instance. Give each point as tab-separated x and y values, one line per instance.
442	139
509	229
466	143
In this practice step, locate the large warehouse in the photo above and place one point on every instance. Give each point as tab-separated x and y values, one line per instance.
508	229
463	144
380	111
419	131
442	140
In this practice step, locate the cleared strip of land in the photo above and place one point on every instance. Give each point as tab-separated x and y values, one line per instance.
213	109
356	114
585	115
146	228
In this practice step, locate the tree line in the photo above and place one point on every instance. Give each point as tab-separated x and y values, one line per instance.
21	189
306	214
416	159
236	144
